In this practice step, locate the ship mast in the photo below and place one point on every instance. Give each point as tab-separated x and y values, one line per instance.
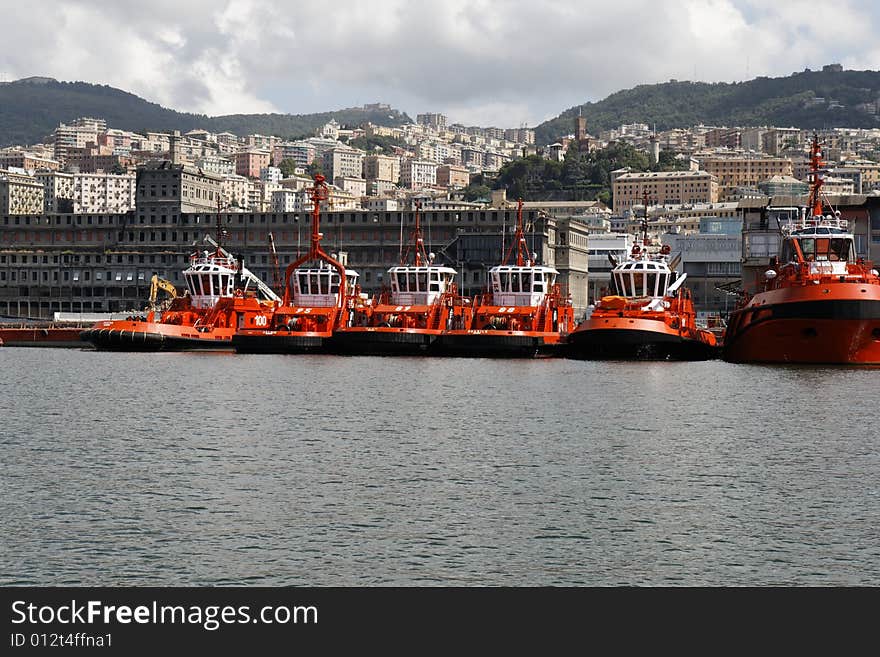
817	177
318	193
417	245
523	257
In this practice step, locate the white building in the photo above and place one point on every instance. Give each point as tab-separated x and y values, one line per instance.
216	164
418	174
343	161
103	193
58	187
381	204
287	200
354	186
270	174
235	191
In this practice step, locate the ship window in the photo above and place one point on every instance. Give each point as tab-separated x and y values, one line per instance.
638	284
423	282
411	282
839	250
651	280
808	248
302	283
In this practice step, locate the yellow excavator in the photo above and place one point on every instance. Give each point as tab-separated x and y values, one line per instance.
157	284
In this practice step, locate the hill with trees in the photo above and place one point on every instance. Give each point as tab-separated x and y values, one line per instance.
30	109
811	99
581	176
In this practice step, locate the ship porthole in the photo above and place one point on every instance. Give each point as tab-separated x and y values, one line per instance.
809	332
876	333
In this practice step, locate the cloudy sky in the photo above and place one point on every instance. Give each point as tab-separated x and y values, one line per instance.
481	62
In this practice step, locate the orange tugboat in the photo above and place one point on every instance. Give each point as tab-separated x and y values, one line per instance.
818	303
409	318
650	316
525	313
317	300
218	290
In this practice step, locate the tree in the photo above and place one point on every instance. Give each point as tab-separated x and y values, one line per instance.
288	167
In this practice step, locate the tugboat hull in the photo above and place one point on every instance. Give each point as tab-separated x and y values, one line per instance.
827	331
146	336
635	340
498	344
369	341
277	342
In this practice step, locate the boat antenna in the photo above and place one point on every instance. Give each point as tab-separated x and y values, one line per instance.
417	244
318	193
276	267
523	256
219	227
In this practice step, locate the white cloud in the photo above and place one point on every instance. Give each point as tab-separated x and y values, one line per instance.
480	61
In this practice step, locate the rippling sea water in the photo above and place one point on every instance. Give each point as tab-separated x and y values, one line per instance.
222	469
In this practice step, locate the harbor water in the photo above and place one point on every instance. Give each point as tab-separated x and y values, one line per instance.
222	469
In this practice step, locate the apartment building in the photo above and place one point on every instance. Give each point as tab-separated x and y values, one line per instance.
18	159
742	170
343	161
454	177
20	194
57	190
664	188
250	163
382	167
417	174
103	193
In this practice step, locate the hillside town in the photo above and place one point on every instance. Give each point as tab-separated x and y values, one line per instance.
91	196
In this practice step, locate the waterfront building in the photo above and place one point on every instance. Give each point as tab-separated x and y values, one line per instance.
103	262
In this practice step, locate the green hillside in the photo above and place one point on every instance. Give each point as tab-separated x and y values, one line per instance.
787	101
30	109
